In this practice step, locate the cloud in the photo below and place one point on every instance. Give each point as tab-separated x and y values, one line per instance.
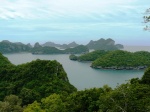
54	9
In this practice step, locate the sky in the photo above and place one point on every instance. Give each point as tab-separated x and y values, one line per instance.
64	21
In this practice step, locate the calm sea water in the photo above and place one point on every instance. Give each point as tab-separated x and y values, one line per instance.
136	48
81	75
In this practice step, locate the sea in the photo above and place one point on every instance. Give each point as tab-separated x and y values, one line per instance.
80	74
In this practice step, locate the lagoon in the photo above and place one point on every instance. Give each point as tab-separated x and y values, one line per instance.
80	74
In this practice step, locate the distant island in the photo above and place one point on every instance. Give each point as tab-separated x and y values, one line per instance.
9	47
63	46
118	60
37	49
52	48
103	44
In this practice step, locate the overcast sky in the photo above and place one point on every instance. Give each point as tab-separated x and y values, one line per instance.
64	21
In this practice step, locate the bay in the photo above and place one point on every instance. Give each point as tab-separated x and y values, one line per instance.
81	75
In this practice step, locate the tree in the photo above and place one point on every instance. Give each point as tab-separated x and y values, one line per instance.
147	19
11	103
34	107
53	103
146	77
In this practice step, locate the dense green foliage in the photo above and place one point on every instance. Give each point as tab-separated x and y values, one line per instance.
146	77
34	80
4	61
92	55
123	60
43	86
124	98
130	97
11	103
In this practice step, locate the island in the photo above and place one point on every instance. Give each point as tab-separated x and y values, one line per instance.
10	47
120	60
102	44
52	48
89	56
37	49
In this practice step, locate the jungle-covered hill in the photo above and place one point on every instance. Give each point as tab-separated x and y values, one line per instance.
33	81
117	59
123	60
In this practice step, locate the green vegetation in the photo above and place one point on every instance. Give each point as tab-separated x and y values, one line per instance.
52	50
4	61
123	60
88	56
73	57
117	59
92	55
11	103
130	97
9	47
33	81
77	50
43	86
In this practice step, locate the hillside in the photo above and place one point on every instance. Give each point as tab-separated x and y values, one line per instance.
52	50
123	60
33	81
9	47
89	56
63	46
77	50
4	61
130	97
103	44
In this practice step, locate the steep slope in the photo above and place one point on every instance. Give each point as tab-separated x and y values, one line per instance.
34	80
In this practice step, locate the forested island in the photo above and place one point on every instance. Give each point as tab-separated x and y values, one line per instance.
43	86
118	60
52	48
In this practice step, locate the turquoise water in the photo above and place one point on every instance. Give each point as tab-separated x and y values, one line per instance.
81	75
